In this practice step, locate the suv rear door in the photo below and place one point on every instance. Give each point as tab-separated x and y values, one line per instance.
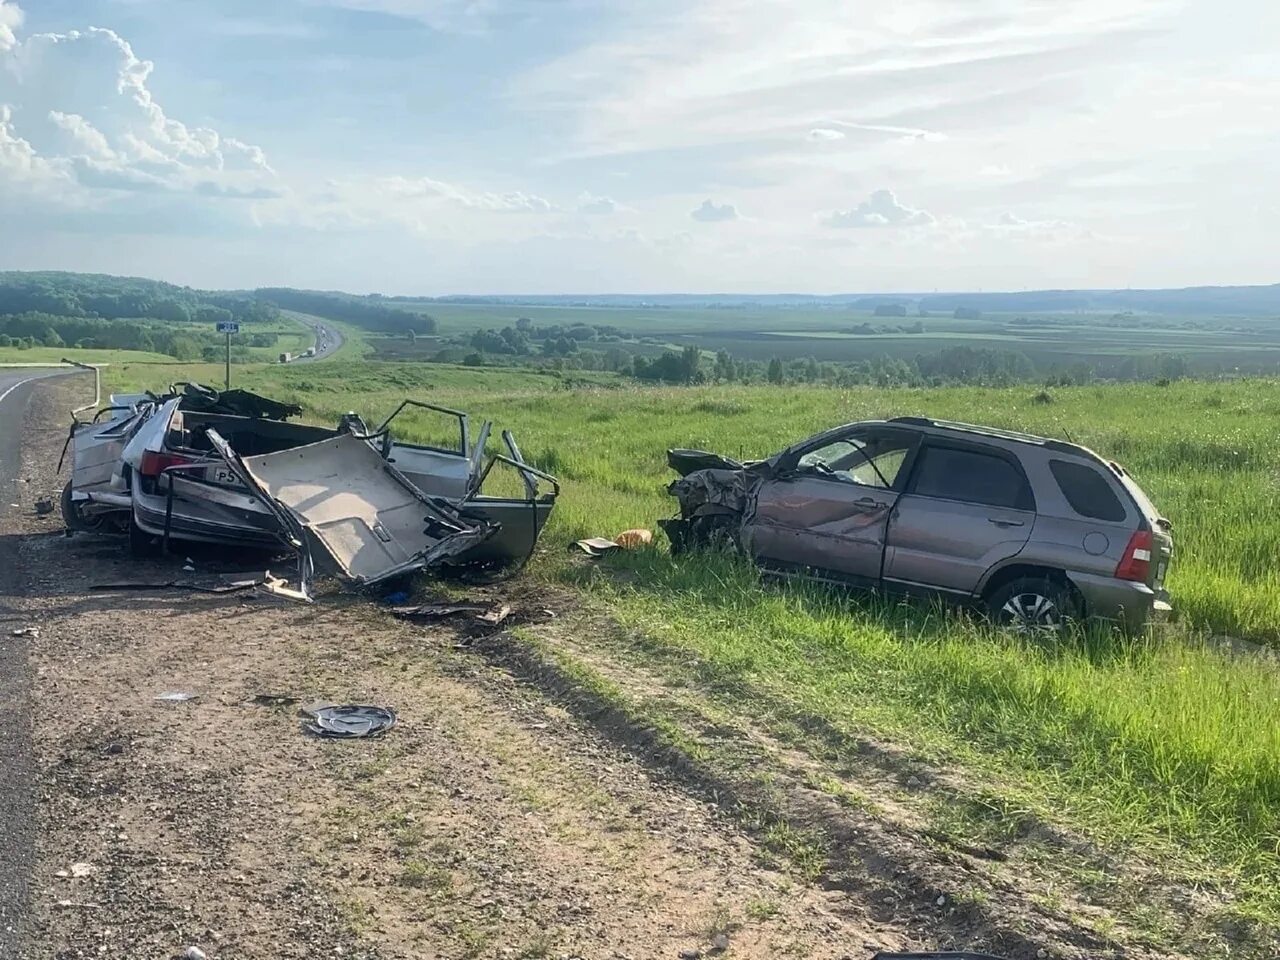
824	511
966	507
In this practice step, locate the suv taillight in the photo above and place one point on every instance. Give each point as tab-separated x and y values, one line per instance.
153	464
1136	563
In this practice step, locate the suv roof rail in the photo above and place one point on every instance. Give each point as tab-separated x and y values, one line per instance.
1061	446
971	428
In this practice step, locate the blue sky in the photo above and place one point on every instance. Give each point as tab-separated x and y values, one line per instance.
435	146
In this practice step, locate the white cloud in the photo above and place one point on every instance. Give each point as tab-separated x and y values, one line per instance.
83	134
710	212
676	74
1011	225
10	21
459	16
881	209
428	188
18	159
589	203
82	107
821	134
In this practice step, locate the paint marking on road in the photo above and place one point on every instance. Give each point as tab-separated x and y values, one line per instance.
15	387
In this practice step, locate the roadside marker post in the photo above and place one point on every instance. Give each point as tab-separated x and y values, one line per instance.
228	327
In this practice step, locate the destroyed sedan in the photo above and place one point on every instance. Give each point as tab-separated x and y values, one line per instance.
196	465
1038	532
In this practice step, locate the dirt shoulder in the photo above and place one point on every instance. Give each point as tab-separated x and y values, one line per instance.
490	822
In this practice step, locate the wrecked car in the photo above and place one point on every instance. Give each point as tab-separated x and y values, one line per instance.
98	494
192	466
1037	532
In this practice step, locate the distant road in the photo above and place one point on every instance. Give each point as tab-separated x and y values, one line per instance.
328	340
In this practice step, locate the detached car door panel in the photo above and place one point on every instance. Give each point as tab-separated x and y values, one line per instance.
965	509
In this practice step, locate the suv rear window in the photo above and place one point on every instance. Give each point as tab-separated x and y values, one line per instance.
1087	491
971	476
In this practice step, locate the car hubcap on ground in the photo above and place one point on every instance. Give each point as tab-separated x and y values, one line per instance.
1032	613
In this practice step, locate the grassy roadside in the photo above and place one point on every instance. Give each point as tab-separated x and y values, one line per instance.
1162	747
1167	747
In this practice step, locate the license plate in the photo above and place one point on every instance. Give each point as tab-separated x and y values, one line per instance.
222	475
1161	570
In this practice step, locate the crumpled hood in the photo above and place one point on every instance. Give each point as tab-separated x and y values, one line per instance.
685	462
714	491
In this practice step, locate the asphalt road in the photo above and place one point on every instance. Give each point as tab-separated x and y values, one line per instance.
17	797
328	339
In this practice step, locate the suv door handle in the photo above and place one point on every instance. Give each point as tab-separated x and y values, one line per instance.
867	503
1001	522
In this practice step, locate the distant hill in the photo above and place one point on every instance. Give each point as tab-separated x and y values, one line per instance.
90	294
1188	301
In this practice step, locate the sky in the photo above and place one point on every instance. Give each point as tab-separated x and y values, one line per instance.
591	146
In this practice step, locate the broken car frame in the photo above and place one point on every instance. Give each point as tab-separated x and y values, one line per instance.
367	507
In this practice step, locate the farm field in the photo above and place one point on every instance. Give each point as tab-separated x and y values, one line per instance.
1166	748
1050	341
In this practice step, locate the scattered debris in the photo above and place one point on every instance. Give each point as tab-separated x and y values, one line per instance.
720	943
495	616
596	546
280	588
81	870
627	540
236	587
271	700
439	611
189	566
44	507
32	632
177	696
193	953
347	721
491	614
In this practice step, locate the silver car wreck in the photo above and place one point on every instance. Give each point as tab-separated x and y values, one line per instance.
191	466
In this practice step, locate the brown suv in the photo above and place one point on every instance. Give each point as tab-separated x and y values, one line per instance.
1039	531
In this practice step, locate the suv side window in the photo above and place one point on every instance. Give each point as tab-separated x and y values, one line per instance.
971	476
1087	491
870	458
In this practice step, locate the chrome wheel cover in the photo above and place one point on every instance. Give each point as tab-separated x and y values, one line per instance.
1032	613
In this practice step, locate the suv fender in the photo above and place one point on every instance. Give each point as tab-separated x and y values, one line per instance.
1012	569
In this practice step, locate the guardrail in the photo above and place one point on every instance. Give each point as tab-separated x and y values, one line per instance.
97	385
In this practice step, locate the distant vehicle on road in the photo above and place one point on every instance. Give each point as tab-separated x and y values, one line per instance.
309	352
286	357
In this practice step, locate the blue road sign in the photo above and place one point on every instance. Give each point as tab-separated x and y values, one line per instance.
228	326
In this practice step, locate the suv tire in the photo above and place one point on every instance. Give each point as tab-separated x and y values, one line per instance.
1034	607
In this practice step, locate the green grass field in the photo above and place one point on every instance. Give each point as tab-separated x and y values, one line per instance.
1165	745
1051	341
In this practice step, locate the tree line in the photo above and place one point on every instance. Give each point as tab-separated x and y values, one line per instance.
33	329
369	313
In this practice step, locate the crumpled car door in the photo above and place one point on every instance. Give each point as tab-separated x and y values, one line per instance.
96	451
366	517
